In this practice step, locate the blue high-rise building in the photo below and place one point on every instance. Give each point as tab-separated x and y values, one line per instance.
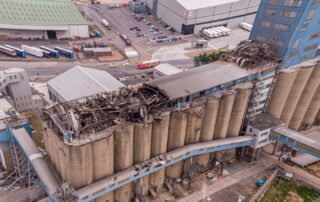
290	27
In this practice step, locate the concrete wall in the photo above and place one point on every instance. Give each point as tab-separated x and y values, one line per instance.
23	34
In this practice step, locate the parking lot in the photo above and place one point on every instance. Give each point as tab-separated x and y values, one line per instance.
142	29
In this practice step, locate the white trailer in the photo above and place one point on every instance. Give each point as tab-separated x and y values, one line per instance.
207	33
32	50
106	23
246	26
224	33
219	32
214	33
226	29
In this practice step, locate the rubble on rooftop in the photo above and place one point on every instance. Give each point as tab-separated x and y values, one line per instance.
105	110
252	54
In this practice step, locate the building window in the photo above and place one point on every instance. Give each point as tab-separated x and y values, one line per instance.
270	11
265	24
294	53
304	27
311	14
295	3
314	36
273	2
297	43
310	47
306	57
290	14
282	27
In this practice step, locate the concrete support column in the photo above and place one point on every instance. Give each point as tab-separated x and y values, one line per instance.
79	165
159	141
280	92
103	154
223	118
208	125
312	111
195	118
237	115
123	159
306	98
224	115
295	93
142	152
176	139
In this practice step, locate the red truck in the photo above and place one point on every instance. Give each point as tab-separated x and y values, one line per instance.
148	64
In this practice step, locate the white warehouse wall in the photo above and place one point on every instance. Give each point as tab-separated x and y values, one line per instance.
172	13
231	14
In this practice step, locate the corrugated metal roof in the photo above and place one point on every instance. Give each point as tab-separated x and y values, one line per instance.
198	79
80	82
197	4
167	69
40	13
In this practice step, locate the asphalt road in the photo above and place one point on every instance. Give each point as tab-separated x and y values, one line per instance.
55	68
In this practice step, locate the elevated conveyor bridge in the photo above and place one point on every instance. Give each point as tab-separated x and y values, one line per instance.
296	140
39	164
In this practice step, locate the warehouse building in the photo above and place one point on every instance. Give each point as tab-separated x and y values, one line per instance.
163	70
189	17
80	82
41	19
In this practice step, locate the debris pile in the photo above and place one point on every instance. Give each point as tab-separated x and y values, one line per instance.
252	54
105	110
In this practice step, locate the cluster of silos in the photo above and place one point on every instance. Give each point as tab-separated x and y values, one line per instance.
86	161
295	96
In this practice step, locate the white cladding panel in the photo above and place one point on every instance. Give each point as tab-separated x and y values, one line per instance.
230	14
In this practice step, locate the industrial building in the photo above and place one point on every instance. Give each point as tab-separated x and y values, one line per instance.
14	84
190	17
80	82
291	28
41	19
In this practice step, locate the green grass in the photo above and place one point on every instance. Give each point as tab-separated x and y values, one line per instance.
280	188
309	195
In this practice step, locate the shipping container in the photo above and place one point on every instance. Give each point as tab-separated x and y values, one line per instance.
32	50
53	53
219	32
224	32
246	26
20	53
64	52
8	51
126	39
227	30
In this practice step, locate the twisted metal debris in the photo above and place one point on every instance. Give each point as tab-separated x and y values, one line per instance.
97	113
